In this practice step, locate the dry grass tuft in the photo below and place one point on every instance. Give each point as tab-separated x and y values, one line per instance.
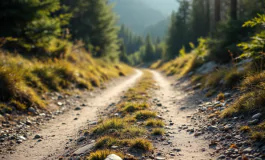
220	97
103	154
143	145
145	114
154	123
109	124
158	132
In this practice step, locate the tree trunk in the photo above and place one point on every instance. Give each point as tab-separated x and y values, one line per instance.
217	11
233	10
208	16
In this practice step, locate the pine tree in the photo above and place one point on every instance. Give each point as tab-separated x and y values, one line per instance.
95	24
149	54
179	30
199	24
132	41
31	22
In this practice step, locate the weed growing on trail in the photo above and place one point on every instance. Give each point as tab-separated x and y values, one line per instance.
220	97
106	141
133	132
103	154
154	123
258	136
158	132
141	144
145	114
133	107
109	124
245	129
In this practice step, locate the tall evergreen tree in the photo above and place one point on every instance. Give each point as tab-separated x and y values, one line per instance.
31	22
149	55
132	41
98	28
179	30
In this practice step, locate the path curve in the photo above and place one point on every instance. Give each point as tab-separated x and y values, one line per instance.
55	135
173	99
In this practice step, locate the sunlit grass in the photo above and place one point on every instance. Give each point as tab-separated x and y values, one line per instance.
141	144
145	114
109	124
158	131
154	123
103	154
25	80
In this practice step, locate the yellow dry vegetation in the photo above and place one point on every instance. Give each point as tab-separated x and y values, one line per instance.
25	78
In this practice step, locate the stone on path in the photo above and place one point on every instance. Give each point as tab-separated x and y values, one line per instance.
113	157
85	149
257	116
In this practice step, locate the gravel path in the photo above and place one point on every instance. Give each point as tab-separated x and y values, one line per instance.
177	105
54	135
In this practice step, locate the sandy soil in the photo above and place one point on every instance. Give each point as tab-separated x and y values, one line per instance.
65	127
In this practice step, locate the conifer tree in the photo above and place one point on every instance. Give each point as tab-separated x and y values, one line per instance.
95	24
179	30
149	54
31	22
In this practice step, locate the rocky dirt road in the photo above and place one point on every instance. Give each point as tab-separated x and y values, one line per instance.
50	140
175	106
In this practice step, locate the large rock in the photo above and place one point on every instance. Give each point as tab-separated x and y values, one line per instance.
84	149
257	116
207	68
113	157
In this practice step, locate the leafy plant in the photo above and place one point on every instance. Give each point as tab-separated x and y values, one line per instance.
256	47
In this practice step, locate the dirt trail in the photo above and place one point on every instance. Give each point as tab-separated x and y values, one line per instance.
173	101
58	132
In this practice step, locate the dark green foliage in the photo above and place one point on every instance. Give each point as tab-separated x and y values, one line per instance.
31	23
159	29
149	54
94	23
130	40
179	29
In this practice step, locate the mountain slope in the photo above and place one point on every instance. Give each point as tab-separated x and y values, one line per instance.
164	6
159	29
136	14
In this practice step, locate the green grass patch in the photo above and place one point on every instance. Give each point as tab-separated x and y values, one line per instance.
109	124
132	132
154	123
145	114
133	107
106	142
